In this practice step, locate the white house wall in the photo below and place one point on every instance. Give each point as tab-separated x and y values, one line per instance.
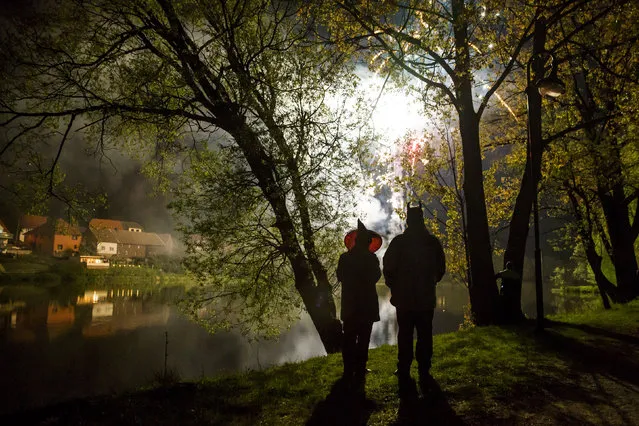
107	248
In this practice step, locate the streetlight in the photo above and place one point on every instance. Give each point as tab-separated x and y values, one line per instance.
552	87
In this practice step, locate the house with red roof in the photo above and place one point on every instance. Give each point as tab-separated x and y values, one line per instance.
56	238
114	224
29	222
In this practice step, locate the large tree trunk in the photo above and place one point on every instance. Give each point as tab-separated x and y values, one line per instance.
518	232
319	305
621	240
520	220
482	286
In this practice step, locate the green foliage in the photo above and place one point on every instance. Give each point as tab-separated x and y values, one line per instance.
591	173
166	263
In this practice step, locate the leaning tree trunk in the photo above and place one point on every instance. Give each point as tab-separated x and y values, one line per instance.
607	290
520	220
518	232
621	240
320	309
482	286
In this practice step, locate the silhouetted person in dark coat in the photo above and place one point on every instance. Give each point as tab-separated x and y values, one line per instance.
510	292
413	265
358	271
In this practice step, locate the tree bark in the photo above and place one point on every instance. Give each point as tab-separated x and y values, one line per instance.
520	220
482	286
607	290
621	240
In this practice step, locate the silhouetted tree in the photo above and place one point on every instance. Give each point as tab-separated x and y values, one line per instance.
148	75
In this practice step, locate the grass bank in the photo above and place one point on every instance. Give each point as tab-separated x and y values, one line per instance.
583	369
50	272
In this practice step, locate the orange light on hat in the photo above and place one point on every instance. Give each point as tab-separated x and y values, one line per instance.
375	244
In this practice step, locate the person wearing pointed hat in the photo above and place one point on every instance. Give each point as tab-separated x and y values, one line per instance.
358	271
413	265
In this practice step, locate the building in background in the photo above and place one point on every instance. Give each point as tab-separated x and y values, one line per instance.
124	240
116	225
5	235
28	223
101	241
56	238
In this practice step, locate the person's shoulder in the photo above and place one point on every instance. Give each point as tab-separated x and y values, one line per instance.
372	256
398	238
432	239
396	242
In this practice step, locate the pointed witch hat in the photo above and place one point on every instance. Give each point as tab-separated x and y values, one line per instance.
351	237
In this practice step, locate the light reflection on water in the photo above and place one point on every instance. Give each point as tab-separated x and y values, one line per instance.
111	341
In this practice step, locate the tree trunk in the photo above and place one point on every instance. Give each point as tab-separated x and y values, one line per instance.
520	220
518	232
319	305
622	242
603	284
482	286
607	290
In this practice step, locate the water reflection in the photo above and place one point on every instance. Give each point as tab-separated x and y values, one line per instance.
113	340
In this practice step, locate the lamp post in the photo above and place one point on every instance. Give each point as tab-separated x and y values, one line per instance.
537	87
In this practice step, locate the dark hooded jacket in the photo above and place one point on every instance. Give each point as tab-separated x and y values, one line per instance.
413	265
358	271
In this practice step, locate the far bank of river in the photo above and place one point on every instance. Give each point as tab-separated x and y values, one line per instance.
114	340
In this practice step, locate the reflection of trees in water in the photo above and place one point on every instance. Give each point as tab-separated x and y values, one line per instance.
567	303
64	365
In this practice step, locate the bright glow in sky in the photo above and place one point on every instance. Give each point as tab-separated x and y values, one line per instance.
396	114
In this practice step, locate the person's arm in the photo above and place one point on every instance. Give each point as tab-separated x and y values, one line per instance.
390	263
375	271
441	264
340	269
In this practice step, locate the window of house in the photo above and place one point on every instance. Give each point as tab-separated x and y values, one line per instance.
59	246
111	248
75	246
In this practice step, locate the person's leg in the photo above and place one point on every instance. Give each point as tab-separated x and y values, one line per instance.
406	325
424	350
363	340
348	348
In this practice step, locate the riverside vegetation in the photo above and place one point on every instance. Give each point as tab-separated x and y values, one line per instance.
51	272
583	369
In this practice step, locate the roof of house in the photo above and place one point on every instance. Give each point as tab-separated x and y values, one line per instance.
31	221
113	224
128	225
62	227
3	227
127	237
105	224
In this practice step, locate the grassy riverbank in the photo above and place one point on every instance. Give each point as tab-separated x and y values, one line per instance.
584	369
49	272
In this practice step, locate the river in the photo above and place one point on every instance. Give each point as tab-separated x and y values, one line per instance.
111	341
